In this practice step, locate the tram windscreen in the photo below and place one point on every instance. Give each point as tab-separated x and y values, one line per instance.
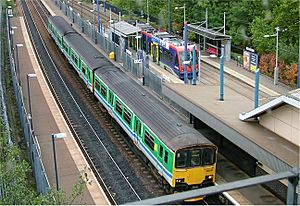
189	55
195	157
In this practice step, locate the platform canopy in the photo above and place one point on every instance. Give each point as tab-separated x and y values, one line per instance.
213	33
124	28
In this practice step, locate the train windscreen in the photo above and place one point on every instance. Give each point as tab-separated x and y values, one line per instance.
195	157
189	55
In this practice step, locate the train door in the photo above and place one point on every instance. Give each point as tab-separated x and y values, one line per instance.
138	127
155	52
110	97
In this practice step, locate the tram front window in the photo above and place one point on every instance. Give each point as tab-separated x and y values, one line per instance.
195	157
190	57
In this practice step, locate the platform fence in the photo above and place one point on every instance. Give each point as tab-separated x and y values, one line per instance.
105	42
31	141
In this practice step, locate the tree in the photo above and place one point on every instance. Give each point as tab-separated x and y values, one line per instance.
16	186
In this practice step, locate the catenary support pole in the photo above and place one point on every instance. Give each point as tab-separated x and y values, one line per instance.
194	66
222	74
169	17
185	52
98	12
298	79
256	96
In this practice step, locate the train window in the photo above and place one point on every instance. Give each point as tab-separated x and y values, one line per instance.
208	156
127	116
161	149
181	159
168	56
74	58
176	60
103	90
195	158
65	46
97	85
166	157
88	73
149	140
119	107
83	70
111	97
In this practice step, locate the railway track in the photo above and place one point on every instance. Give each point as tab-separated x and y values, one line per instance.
211	76
85	12
121	175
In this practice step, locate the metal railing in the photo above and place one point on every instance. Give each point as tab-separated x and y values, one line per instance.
32	144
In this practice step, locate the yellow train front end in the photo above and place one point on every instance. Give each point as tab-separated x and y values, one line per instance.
194	168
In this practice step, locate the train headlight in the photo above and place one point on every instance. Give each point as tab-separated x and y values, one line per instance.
180	180
209	177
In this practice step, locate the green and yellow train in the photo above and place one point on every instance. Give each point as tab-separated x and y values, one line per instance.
181	156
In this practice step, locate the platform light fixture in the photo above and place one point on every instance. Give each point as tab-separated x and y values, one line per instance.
18	61
276	69
53	137
29	76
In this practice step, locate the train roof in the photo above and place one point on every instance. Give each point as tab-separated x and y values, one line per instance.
171	129
62	26
89	54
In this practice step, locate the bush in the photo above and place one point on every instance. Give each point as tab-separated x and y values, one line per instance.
287	73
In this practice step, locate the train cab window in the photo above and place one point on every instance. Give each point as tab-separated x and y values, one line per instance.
181	159
195	158
119	107
149	140
166	157
97	85
161	149
103	91
127	116
208	156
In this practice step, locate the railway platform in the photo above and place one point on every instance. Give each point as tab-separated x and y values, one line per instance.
189	96
47	119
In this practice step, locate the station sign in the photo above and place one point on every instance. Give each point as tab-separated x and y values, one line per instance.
138	61
250	59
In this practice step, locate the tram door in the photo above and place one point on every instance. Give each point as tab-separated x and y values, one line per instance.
154	52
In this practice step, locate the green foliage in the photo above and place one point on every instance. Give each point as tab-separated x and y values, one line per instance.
17	187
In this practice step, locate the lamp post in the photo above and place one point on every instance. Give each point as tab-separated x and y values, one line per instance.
29	99
114	37
81	17
56	136
169	17
98	12
93	33
276	66
185	43
12	32
17	61
147	12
